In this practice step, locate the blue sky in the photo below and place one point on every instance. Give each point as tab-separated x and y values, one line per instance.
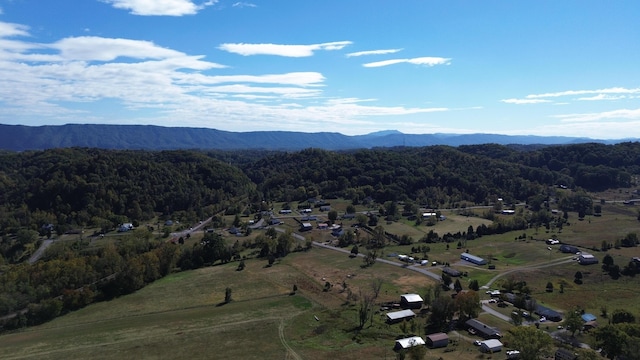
525	67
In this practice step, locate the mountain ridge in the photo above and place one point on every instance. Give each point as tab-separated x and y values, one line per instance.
152	137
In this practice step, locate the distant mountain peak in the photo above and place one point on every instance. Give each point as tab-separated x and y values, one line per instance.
383	133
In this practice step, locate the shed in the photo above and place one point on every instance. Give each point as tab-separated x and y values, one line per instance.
398	316
411	301
587	259
491	345
306	226
437	340
565	354
569	249
473	259
409	342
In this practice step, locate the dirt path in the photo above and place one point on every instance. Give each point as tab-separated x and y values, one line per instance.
38	254
291	354
530	267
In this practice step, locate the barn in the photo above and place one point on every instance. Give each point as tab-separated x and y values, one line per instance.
411	301
437	340
473	259
398	316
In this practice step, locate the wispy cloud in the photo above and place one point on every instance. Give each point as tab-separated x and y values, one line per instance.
282	50
524	101
614	93
374	52
633	114
614	90
160	7
11	30
244	4
426	61
601	97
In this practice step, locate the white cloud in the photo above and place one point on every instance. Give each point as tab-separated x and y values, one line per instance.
244	4
303	79
282	50
633	114
374	52
524	101
600	97
615	90
427	61
160	7
10	30
107	49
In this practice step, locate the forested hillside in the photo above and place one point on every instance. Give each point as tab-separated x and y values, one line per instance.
88	187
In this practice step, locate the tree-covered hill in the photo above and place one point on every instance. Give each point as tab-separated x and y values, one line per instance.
79	187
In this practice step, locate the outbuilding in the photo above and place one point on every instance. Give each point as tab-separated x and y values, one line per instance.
481	329
411	301
306	226
548	314
587	259
409	342
437	340
473	259
569	249
491	345
399	316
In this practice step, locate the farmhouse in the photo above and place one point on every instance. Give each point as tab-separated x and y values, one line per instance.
569	249
410	301
491	345
481	329
306	226
437	340
473	259
399	316
548	313
587	259
451	271
409	342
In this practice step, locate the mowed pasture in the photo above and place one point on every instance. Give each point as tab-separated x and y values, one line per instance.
183	314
